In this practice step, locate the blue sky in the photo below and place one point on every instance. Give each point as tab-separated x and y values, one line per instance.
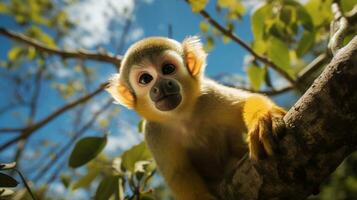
152	18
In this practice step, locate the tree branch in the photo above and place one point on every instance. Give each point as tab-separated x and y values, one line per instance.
265	92
28	131
313	66
239	41
321	133
81	54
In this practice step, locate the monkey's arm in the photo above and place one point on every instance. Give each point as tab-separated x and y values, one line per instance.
264	122
174	164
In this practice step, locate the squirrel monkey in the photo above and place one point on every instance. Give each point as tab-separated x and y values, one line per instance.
193	125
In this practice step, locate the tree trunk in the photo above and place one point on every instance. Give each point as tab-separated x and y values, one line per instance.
321	133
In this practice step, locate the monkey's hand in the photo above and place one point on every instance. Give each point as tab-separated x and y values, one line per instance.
265	124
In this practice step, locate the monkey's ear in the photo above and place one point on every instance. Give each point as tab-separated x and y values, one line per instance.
120	92
194	54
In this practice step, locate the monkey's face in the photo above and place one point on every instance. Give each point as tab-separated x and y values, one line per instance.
160	77
161	83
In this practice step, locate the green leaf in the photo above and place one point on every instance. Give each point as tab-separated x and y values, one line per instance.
7	166
278	52
4	192
278	29
66	180
209	43
260	46
86	149
143	168
141	126
348	5
14	53
226	39
267	78
258	18
3	8
286	15
238	8
41	35
305	19
226	3
137	153
204	27
319	11
198	5
146	197
87	179
7	181
306	42
31	52
303	15
106	188
256	76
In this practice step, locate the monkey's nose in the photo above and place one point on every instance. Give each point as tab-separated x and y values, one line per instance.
170	87
169	84
155	90
163	88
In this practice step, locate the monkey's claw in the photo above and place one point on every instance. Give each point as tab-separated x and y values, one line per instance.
264	134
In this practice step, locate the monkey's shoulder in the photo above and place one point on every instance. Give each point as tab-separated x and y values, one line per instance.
219	100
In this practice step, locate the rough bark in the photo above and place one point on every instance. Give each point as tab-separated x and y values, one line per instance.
321	133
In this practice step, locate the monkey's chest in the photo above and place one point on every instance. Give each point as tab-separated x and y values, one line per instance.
211	151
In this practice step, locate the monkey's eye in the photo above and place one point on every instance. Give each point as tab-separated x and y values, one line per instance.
168	69
145	78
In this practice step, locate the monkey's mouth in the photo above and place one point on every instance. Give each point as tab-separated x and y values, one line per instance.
168	102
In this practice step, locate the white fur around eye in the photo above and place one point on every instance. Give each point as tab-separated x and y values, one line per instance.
136	72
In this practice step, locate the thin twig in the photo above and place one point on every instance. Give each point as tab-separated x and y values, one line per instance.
27	131
67	146
81	54
25	183
338	29
57	172
239	41
21	144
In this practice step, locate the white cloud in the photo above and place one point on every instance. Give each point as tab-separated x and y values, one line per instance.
251	5
57	189
135	34
59	70
126	137
94	21
247	60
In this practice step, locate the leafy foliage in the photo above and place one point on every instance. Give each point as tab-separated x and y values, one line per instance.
7	181
85	150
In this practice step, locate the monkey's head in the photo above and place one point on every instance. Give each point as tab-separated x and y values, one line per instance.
160	77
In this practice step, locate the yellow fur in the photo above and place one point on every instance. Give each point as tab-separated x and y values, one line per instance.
196	144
